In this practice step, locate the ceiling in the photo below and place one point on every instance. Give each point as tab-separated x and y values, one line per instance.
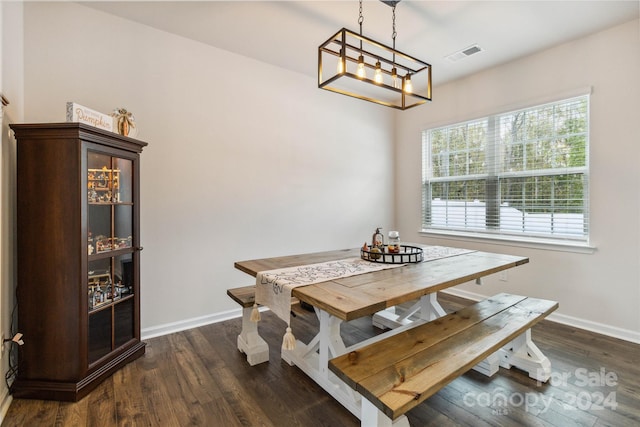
287	33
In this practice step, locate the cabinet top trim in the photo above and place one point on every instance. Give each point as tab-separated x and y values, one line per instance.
74	130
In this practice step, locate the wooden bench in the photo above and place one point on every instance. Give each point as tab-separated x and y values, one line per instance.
397	373
245	296
249	341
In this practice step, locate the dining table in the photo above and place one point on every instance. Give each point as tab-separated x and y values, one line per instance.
396	298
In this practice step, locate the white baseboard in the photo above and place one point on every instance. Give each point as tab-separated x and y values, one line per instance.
599	328
611	331
183	325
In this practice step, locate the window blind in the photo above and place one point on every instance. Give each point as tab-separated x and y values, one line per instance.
520	173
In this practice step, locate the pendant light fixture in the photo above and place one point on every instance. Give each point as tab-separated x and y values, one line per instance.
369	70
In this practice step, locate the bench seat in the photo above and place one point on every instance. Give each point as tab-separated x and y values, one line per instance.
245	296
400	372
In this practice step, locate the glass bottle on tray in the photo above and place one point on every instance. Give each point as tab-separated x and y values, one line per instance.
393	247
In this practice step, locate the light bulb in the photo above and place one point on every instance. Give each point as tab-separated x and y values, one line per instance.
394	78
408	87
360	72
340	68
377	76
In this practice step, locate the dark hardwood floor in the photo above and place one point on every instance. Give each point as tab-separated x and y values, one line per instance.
198	378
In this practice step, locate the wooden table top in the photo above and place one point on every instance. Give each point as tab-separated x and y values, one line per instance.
365	294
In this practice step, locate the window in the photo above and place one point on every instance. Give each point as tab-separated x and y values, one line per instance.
521	173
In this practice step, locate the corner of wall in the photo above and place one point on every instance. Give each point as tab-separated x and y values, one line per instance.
11	86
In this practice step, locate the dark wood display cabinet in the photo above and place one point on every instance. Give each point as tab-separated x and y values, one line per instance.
78	255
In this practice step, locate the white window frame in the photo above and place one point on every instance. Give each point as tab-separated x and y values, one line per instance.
492	171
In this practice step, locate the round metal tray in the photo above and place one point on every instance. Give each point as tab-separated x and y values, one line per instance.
407	254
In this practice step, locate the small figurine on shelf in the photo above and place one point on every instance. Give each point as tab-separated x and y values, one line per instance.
101	244
125	122
103	178
116	188
90	243
92	297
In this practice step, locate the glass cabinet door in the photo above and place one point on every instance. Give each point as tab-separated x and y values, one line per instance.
110	281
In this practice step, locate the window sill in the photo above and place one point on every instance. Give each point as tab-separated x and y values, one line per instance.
529	242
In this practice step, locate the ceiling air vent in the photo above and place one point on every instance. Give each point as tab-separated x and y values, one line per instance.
464	53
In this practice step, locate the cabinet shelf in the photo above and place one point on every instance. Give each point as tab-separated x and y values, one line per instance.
111	253
110	204
110	303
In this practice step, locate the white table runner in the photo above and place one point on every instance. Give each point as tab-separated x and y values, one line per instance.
273	287
432	253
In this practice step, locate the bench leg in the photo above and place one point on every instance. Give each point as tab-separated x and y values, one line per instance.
250	342
313	359
524	354
374	417
489	366
427	307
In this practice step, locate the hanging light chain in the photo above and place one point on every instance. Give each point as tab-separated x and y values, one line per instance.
360	18
394	73
393	20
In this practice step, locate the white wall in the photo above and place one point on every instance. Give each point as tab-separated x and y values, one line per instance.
245	160
599	290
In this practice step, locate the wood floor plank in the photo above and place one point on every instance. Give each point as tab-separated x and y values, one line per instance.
72	414
185	383
30	413
457	411
191	373
129	397
221	389
245	411
161	409
100	408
